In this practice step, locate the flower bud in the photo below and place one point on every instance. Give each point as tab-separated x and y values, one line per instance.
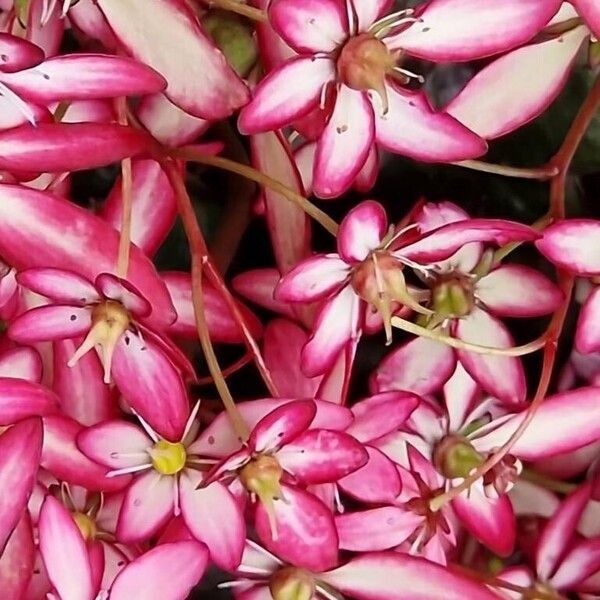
292	583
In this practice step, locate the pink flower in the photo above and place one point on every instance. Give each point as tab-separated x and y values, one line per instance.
368	271
167	487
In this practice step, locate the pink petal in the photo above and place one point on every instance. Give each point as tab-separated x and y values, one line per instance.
376	576
20	399
309	25
147	506
115	288
381	414
558	532
22	362
52	322
376	482
289	226
345	143
64	552
282	425
62	457
84	76
368	11
258	286
412	128
573	244
501	376
322	456
313	279
17	560
170	40
87	17
590	11
18	53
376	529
20	448
49	36
461	394
490	520
168	572
115	444
13	115
451	30
517	87
336	325
151	385
445	241
219	439
306	534
362	231
587	338
518	291
287	93
420	365
214	517
82	393
38	229
153	207
64	287
57	147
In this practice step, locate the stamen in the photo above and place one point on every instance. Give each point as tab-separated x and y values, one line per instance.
324	592
190	420
126	470
386	28
352	20
224	585
18	103
323	96
48	7
153	435
410	74
65	8
176	504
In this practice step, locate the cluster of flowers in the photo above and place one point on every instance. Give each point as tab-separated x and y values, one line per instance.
116	483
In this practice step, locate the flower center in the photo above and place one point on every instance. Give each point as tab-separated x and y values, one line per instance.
453	297
292	583
110	320
455	457
363	64
168	458
502	477
420	505
86	525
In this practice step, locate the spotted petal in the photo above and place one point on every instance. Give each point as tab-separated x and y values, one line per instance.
18	54
52	322
65	287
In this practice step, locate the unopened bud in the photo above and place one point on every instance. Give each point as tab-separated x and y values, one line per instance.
292	583
455	457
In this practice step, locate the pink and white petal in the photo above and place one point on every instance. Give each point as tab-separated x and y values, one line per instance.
151	385
168	572
559	531
65	287
51	322
368	11
18	54
381	414
168	123
451	30
376	482
574	245
335	383
219	438
421	366
411	127
337	324
491	520
590	11
20	448
587	337
87	17
306	535
501	376
83	77
258	286
375	576
570	416
313	279
22	362
518	291
228	465
64	552
170	40
345	143
310	25
569	464
63	459
517	87
214	517
116	444
322	456
442	243
18	560
282	425
367	176
517	575
50	35
115	288
289	226
147	506
287	93
361	231
15	113
376	529
460	394
530	499
153	206
21	399
582	561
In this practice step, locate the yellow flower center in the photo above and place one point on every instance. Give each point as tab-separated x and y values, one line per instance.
292	583
453	298
168	458
86	525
